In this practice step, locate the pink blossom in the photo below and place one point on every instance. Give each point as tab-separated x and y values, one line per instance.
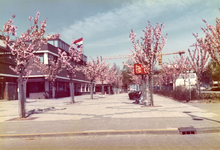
43	24
212	39
70	60
146	52
199	57
55	36
30	18
22	50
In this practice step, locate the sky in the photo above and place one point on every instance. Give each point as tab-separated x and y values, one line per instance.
105	24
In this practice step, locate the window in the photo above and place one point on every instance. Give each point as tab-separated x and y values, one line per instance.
50	42
66	47
63	45
51	57
55	43
41	86
60	44
61	86
41	58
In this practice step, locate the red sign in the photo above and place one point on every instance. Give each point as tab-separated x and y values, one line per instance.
138	69
145	70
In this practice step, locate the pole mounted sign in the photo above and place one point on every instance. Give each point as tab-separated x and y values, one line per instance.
138	69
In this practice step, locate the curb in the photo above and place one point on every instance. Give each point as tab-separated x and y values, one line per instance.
171	131
208	130
93	132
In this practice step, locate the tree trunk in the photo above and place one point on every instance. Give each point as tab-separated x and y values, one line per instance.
22	98
103	92
109	91
25	89
174	85
91	90
70	85
199	88
151	89
147	88
143	88
72	91
53	91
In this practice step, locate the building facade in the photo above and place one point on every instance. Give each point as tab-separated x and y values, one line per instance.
37	86
8	78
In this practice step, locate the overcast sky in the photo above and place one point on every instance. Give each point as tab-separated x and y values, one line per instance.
105	24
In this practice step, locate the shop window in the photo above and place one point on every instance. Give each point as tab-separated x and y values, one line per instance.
35	87
41	86
61	86
67	86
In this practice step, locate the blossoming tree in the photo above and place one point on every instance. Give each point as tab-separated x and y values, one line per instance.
173	69
212	35
199	57
112	72
23	49
92	69
146	53
118	81
71	62
114	78
103	74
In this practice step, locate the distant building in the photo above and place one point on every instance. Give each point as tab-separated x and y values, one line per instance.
108	89
37	85
186	80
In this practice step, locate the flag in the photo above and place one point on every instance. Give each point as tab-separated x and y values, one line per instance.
79	42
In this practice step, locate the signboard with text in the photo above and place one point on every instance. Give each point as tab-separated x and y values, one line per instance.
138	69
145	70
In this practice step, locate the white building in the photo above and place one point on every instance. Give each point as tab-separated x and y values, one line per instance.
186	80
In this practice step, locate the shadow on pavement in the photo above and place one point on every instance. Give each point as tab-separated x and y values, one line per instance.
194	117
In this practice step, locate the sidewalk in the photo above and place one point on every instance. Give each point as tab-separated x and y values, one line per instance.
114	114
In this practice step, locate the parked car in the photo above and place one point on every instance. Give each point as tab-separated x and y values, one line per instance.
134	94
